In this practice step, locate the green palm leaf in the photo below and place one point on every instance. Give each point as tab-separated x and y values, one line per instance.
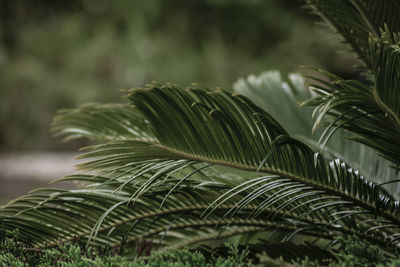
102	122
369	112
385	54
162	190
284	105
356	19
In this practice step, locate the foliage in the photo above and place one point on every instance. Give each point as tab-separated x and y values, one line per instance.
182	258
18	252
355	20
183	167
361	253
352	252
15	252
287	93
370	112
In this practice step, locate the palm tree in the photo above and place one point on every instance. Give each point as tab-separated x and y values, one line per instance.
182	167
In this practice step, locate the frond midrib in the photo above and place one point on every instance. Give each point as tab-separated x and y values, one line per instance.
249	223
284	174
266	225
172	211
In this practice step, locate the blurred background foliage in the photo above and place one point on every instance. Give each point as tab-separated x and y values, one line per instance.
59	54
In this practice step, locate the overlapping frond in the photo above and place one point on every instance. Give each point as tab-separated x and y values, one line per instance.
379	13
369	112
356	19
385	55
285	106
102	122
72	215
168	190
118	220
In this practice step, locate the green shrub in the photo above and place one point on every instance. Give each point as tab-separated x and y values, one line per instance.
15	252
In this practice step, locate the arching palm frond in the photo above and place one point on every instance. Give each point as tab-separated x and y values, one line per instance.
285	106
385	54
104	122
369	112
165	188
112	219
356	19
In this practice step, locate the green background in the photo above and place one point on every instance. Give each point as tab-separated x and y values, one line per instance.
59	54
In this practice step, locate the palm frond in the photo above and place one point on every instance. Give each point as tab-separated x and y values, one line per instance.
101	122
179	219
279	98
287	93
385	55
356	19
169	191
371	113
376	14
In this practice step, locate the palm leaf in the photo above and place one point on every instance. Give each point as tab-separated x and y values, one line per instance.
102	122
160	188
356	19
369	112
385	54
284	105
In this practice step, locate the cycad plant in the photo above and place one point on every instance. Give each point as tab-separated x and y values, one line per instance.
180	167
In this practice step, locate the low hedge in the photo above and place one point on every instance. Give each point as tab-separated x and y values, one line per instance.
15	252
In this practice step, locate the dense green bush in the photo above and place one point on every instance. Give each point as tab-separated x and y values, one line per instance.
18	252
15	252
